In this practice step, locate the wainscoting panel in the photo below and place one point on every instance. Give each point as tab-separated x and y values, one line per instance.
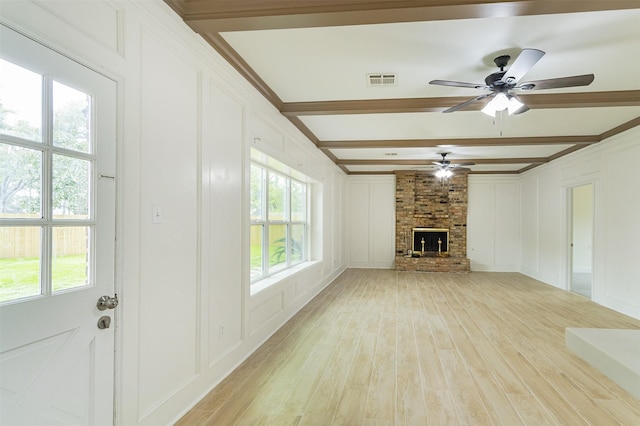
493	228
370	221
507	235
168	266
358	219
264	137
224	197
97	20
529	226
261	314
481	225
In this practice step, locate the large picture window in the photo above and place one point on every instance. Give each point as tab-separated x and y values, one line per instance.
278	234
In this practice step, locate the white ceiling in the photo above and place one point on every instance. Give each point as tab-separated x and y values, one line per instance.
331	63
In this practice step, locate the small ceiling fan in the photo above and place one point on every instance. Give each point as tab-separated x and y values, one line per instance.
500	84
446	168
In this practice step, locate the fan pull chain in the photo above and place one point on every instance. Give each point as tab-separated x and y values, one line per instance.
494	121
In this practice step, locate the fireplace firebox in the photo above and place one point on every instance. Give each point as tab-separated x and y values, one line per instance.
430	240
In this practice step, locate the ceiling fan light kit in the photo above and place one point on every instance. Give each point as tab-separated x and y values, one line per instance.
502	102
500	83
444	173
445	167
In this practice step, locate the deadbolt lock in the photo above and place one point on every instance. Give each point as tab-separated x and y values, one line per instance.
106	302
104	322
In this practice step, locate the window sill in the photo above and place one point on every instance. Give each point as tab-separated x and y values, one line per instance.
266	283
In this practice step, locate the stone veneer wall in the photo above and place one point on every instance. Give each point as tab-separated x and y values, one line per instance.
424	201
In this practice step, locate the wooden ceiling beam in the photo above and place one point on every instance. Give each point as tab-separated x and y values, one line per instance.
208	16
494	172
231	56
536	160
408	105
371	106
471	172
621	128
309	135
582	99
433	143
603	136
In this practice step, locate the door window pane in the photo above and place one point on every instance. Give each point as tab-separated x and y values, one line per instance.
70	187
298	201
46	187
70	257
20	182
19	262
71	118
20	102
256	251
277	197
277	247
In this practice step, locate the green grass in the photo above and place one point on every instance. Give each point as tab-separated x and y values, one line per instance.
278	256
20	277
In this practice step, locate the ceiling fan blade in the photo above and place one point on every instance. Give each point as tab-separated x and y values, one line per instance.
460	166
557	83
467	103
523	63
458	84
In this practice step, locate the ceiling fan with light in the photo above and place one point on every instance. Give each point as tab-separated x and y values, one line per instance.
500	84
446	167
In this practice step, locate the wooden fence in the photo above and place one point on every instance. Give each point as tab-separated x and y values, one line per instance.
24	241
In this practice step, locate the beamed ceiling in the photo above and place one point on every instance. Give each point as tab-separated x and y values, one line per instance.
311	59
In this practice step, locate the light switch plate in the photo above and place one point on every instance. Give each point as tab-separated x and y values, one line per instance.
157	214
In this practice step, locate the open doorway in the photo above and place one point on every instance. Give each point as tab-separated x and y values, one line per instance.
581	240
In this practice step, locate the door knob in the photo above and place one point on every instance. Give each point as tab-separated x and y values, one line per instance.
106	302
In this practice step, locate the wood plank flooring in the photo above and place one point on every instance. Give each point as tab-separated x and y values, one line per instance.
380	347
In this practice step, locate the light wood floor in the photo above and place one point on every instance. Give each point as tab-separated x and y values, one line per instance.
380	347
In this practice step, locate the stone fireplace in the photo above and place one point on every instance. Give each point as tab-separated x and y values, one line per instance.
436	211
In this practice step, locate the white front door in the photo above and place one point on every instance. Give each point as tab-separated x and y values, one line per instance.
57	237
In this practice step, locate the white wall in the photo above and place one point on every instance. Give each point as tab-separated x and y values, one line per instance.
520	223
493	223
612	167
370	234
186	122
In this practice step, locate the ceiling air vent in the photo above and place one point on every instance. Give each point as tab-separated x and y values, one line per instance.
382	80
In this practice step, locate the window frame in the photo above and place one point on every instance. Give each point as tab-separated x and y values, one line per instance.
265	222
